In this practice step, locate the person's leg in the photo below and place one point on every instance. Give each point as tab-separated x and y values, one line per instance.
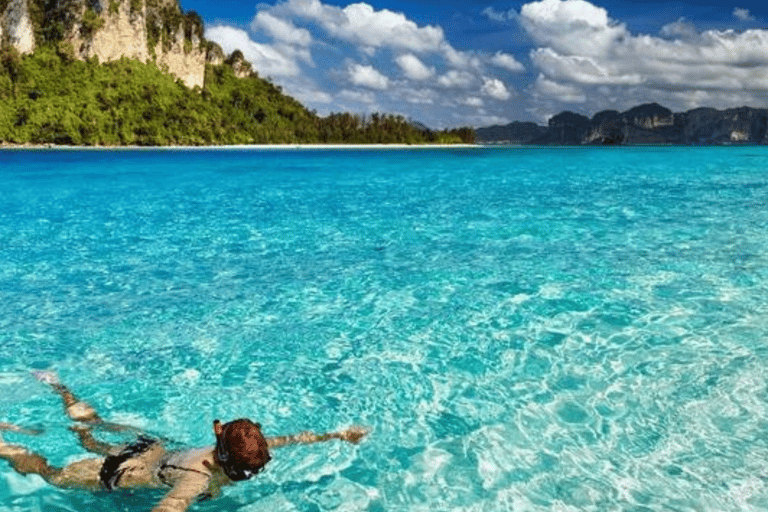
25	462
83	474
76	409
91	444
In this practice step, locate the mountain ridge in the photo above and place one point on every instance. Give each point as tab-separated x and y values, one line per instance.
649	123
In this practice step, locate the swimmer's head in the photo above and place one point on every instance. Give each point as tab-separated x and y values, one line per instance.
241	449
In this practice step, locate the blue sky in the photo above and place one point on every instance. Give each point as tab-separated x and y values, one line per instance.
451	63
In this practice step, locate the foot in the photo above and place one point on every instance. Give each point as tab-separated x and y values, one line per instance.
354	435
46	377
81	411
10	451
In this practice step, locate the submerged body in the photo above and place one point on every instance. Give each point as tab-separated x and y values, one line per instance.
240	452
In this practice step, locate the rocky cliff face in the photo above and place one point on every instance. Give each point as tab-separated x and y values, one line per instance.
644	124
122	33
146	30
651	116
654	124
564	129
707	125
16	26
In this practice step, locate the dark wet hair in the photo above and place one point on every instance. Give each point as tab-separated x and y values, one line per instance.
241	449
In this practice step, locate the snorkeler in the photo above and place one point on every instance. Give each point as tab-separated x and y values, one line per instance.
240	452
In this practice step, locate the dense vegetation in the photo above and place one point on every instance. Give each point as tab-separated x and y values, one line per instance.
49	97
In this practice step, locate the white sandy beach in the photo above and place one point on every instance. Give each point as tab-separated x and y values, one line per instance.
278	147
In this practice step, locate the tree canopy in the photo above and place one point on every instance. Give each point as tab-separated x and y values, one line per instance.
49	97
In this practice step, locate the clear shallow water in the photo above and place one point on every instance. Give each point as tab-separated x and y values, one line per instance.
523	329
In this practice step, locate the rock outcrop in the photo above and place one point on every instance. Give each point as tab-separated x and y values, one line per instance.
16	27
707	125
653	124
122	33
565	128
644	124
240	66
146	30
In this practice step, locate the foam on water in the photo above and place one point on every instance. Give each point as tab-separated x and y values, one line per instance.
523	329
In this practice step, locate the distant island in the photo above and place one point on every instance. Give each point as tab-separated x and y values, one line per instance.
140	72
645	124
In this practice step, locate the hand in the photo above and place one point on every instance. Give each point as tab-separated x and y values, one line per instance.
21	430
354	435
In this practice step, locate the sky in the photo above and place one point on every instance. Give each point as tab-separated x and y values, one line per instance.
450	63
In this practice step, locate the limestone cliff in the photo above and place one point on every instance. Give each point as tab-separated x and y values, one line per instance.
645	124
16	26
146	30
653	124
240	66
650	116
565	128
707	125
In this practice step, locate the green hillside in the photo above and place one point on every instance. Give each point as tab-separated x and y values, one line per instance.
50	98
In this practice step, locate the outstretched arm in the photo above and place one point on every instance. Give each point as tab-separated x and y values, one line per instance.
90	443
351	435
21	430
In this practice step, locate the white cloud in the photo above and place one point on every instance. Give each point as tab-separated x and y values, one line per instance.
360	24
459	59
561	92
419	96
493	14
473	101
266	59
495	88
581	46
456	79
680	28
586	70
367	76
500	16
371	58
506	61
743	14
295	53
413	68
280	29
312	96
571	26
366	97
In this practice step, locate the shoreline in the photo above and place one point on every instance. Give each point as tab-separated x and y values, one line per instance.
4	146
273	147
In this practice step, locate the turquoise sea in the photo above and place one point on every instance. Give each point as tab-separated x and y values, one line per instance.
523	329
